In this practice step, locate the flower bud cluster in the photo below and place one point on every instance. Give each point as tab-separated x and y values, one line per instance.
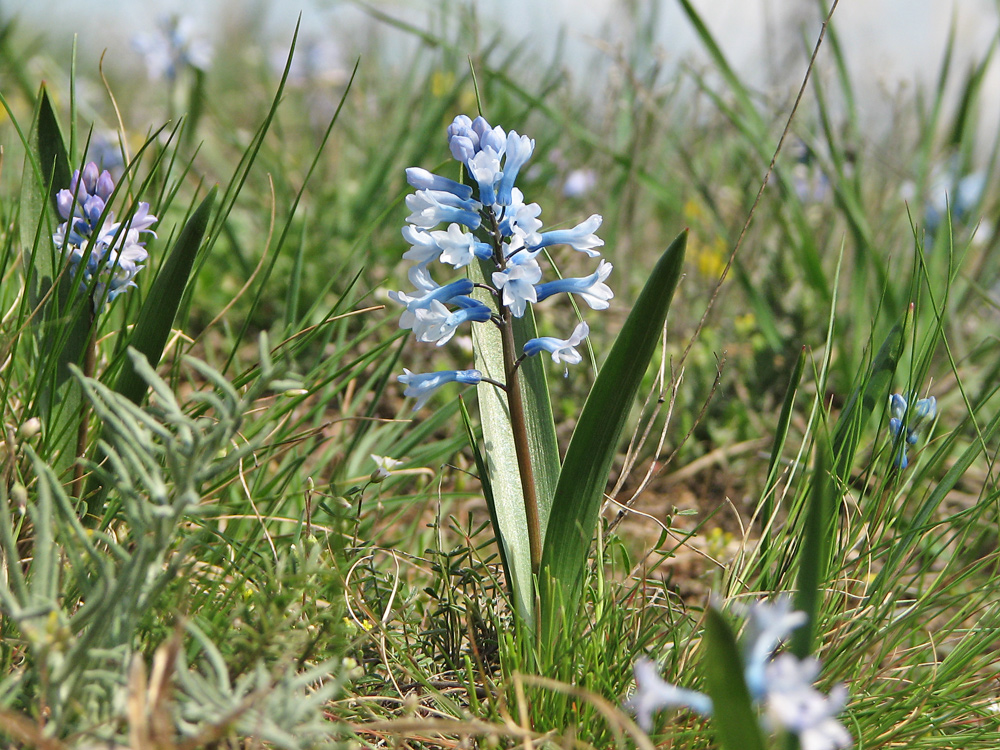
905	422
487	220
111	251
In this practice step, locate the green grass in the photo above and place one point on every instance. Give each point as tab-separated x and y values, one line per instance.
244	581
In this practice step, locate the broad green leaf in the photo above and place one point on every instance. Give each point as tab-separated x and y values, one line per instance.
498	446
595	440
157	314
62	329
734	718
484	480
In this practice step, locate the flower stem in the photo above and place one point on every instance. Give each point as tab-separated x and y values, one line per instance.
518	422
519	428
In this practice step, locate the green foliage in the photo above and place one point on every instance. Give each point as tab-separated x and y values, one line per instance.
239	558
595	442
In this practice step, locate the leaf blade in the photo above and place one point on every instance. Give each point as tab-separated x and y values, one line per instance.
595	440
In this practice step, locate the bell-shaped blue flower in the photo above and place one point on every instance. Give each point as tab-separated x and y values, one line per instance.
562	350
592	288
519	148
421	179
433	207
518	281
437	324
581	237
422	386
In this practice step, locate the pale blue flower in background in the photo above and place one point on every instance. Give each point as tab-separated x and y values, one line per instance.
579	182
592	288
172	46
653	693
796	706
781	686
904	426
768	624
950	191
422	386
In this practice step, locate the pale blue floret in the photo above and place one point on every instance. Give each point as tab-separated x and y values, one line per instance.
433	207
592	288
424	248
581	237
451	246
769	624
172	46
782	686
491	138
520	222
653	693
437	324
422	386
519	148
794	705
485	170
421	179
518	284
458	248
562	350
441	294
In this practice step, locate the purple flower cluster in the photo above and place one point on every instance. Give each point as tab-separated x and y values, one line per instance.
489	221
111	252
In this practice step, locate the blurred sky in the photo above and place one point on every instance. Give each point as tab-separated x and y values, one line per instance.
890	44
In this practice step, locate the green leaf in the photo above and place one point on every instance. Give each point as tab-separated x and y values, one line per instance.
734	718
62	329
155	320
814	549
780	436
484	480
870	393
157	315
595	440
498	442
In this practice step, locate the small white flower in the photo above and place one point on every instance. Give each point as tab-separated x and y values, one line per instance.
384	466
